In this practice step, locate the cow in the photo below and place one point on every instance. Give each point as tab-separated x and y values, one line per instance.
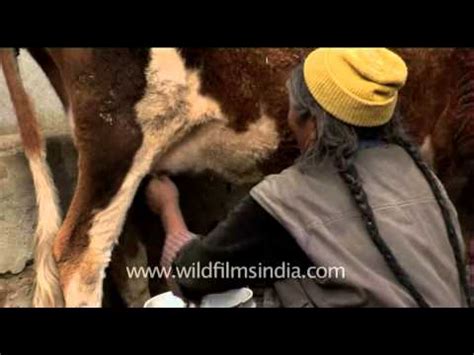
137	111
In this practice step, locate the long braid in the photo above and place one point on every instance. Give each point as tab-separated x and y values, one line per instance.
348	172
443	205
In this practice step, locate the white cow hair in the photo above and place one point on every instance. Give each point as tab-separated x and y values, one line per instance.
232	155
47	292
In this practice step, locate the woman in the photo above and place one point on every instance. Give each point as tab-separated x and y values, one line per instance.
360	197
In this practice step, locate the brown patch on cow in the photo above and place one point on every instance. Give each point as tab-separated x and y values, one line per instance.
103	86
247	82
455	146
427	91
463	125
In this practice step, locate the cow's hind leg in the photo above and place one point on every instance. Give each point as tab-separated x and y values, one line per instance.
82	272
84	246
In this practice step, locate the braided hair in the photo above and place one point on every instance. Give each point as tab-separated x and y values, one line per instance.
339	142
400	139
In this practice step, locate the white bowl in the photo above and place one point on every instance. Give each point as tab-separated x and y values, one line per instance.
229	299
241	297
165	300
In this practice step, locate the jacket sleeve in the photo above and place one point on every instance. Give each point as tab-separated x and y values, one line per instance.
249	237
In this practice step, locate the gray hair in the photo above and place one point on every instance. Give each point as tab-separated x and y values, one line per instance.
334	137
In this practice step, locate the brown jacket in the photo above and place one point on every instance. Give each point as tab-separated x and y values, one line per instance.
316	208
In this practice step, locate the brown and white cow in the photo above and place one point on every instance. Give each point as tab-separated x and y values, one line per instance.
139	111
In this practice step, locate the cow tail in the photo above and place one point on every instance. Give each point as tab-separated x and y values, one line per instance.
47	291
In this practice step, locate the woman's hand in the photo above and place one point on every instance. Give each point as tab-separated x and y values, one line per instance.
163	199
162	195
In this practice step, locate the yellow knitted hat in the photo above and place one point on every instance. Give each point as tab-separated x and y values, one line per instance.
356	85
